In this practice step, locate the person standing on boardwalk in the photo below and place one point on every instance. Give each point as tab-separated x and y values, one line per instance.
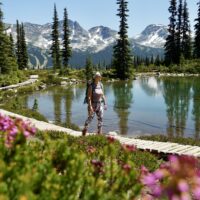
96	103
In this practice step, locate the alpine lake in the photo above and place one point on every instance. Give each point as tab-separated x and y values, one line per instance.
146	106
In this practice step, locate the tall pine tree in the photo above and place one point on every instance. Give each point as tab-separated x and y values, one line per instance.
89	69
55	48
186	40
122	59
66	51
179	33
2	44
18	46
24	53
7	60
170	45
197	34
11	55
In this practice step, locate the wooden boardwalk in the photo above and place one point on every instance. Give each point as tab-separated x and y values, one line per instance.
152	146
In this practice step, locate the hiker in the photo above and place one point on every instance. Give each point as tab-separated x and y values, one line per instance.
96	103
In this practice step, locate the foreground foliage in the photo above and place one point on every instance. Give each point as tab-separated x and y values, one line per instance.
39	165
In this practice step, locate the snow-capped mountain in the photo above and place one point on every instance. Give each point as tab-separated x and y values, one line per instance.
153	36
96	42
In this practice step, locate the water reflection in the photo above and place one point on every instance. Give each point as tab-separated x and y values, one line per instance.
151	86
57	99
176	93
123	99
62	102
196	108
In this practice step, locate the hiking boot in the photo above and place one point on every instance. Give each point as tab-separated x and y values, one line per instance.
99	132
84	131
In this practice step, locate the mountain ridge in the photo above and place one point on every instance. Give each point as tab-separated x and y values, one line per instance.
96	42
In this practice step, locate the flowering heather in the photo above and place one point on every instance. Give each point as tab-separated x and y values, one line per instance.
111	139
130	148
177	179
11	128
98	166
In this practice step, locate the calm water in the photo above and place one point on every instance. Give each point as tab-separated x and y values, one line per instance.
146	106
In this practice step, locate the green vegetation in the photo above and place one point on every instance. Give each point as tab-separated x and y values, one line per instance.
67	50
197	34
71	168
89	69
12	78
55	48
186	66
21	51
179	140
7	58
122	59
178	44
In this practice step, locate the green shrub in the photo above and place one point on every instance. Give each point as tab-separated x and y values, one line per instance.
60	169
13	78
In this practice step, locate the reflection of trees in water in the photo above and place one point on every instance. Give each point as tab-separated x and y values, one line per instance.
78	92
68	105
196	107
67	95
123	99
57	100
176	93
150	85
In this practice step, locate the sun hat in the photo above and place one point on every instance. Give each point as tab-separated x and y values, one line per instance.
97	74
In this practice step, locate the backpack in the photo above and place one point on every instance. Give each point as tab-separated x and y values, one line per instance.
90	83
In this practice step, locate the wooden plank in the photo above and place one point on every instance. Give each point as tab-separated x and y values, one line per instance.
188	148
192	152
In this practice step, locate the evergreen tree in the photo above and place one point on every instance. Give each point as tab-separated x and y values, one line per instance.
170	45
12	47
18	46
11	55
186	42
135	62
157	60
122	59
152	60
24	53
55	48
147	61
2	44
179	33
35	105
66	51
89	69
6	58
21	52
197	34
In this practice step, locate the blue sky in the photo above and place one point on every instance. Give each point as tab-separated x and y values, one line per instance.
90	13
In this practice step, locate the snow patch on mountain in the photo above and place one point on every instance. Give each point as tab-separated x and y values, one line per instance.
93	40
153	36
